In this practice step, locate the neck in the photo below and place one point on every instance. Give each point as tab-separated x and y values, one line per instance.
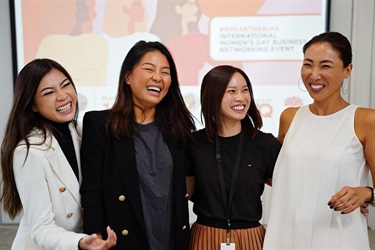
231	129
328	108
144	116
57	125
185	28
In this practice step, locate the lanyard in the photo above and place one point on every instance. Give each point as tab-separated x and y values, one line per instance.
228	204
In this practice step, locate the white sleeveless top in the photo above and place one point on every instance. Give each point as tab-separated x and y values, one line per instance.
320	155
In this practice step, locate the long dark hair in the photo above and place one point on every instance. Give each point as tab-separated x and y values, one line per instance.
171	115
22	120
213	88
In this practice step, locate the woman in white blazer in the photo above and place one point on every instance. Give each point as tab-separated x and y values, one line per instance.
40	162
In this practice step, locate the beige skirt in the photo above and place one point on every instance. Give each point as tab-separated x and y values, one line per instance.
210	238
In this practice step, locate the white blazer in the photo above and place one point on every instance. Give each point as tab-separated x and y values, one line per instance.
49	192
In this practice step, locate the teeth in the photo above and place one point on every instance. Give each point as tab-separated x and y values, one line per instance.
64	108
239	107
154	89
316	86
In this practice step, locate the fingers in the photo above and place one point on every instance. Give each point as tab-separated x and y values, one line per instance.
338	198
112	238
93	242
348	199
87	241
364	209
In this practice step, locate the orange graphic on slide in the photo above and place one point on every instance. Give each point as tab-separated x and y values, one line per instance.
42	18
189	47
230	8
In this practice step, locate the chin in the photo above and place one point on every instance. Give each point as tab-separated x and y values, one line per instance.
66	119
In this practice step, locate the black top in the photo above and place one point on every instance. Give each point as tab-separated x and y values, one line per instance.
64	138
155	172
257	162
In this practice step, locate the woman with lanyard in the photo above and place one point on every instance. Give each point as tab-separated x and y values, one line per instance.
230	160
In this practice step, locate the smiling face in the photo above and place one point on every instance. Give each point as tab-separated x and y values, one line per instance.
323	72
236	100
150	80
56	98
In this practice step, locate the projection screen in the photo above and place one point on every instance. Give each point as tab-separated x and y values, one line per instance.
91	38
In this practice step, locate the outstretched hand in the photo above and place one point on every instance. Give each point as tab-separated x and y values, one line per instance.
349	198
95	242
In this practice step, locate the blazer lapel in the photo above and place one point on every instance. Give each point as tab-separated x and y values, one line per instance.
77	146
126	162
178	175
63	170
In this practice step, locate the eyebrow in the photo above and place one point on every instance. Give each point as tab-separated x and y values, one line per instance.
243	86
324	61
148	63
48	88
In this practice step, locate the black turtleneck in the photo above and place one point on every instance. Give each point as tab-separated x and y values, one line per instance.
63	136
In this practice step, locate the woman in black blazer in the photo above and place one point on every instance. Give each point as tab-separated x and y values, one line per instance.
133	156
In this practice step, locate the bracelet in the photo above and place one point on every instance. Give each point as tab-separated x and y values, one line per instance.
79	248
372	195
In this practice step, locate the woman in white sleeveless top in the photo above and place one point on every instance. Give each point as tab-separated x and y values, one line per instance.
328	152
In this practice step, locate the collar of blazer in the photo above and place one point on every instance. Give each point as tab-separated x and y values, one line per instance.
57	160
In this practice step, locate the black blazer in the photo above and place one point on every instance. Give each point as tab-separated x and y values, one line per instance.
110	188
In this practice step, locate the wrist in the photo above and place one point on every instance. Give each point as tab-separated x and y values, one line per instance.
79	244
371	201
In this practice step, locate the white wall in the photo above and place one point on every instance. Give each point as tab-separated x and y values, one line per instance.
6	78
353	18
356	20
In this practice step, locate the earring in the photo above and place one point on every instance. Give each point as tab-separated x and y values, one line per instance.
344	89
299	83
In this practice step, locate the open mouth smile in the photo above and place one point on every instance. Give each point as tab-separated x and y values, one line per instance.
154	89
65	107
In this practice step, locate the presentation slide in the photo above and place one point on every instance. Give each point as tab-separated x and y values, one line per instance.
91	38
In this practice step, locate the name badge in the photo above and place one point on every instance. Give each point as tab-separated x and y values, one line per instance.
231	246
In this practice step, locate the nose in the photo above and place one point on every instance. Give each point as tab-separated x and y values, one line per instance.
156	77
240	96
315	74
60	95
195	8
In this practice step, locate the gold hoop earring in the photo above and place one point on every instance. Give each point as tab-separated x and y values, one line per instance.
299	83
344	89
